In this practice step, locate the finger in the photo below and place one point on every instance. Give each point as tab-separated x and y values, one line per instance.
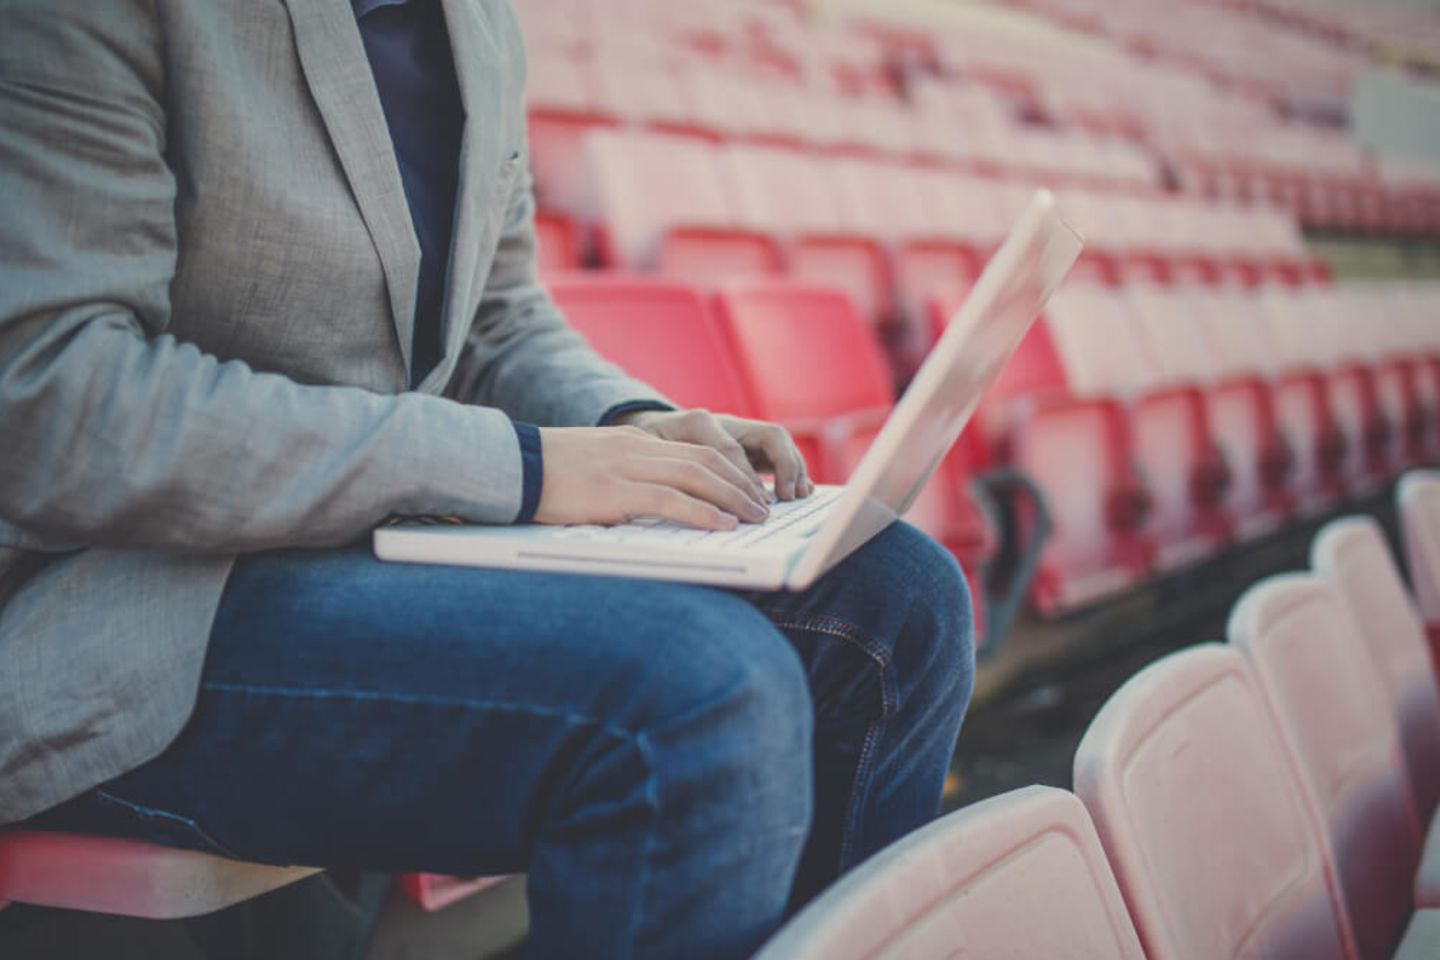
779	449
717	463
710	432
668	503
700	482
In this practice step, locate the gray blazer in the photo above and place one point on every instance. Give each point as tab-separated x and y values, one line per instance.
207	280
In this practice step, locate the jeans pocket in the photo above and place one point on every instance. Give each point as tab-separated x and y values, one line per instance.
116	816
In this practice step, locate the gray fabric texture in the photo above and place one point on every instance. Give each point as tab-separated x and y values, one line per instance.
207	279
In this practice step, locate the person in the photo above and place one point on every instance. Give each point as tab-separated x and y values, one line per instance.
268	279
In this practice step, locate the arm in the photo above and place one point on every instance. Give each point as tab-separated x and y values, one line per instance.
113	432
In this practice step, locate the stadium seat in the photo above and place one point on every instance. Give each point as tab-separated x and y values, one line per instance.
809	362
1018	875
557	243
662	205
1352	556
1418	495
794	195
1331	706
1211	836
124	877
660	332
1221	340
1302	398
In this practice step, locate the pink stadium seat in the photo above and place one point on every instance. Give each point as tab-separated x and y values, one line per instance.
662	333
796	196
1212	838
1419	500
662	205
1019	875
103	875
432	891
1332	708
1352	556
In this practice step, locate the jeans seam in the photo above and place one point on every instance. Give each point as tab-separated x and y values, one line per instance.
465	702
840	629
154	813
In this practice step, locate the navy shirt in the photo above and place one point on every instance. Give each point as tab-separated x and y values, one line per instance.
409	51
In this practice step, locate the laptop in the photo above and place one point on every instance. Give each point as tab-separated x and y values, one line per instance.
802	539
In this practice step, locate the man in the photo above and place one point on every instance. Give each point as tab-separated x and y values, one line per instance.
267	280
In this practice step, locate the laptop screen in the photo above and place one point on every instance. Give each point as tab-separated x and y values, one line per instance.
963	365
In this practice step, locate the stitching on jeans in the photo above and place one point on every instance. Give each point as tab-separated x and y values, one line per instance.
469	702
862	767
881	655
157	814
851	634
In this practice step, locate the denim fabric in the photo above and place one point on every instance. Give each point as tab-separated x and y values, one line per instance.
673	766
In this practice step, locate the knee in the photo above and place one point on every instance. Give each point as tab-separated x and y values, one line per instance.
728	685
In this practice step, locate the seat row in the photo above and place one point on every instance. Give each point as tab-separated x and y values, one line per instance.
1164	423
891	234
1273	797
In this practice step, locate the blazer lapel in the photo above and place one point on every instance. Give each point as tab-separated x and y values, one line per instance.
338	74
474	50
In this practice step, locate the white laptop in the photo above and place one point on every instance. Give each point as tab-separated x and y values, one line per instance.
802	539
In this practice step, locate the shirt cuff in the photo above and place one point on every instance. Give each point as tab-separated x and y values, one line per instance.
632	406
532	464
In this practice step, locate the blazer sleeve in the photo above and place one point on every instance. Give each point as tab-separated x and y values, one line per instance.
113	432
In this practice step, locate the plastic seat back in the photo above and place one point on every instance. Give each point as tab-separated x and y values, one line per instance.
659	332
1419	498
1213	842
1331	707
1352	556
1018	875
645	184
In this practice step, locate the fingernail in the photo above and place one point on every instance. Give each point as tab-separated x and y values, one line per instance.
728	521
755	512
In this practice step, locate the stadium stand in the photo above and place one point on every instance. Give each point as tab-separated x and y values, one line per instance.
1419	501
1019	875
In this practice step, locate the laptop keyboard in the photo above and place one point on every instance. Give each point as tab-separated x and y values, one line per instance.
792	519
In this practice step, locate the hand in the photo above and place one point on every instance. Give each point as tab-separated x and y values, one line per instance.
750	445
612	474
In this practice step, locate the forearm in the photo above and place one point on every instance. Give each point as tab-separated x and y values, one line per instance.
115	439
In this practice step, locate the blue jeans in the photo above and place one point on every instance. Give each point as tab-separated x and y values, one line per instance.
675	767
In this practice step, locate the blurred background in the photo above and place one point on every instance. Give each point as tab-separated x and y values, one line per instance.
1250	346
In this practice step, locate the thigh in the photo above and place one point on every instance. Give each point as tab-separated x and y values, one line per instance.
358	713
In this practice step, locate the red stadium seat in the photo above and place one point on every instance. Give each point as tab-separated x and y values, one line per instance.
557	243
1211	835
103	875
794	195
811	364
1337	723
1018	875
1302	398
660	332
1223	343
1069	434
